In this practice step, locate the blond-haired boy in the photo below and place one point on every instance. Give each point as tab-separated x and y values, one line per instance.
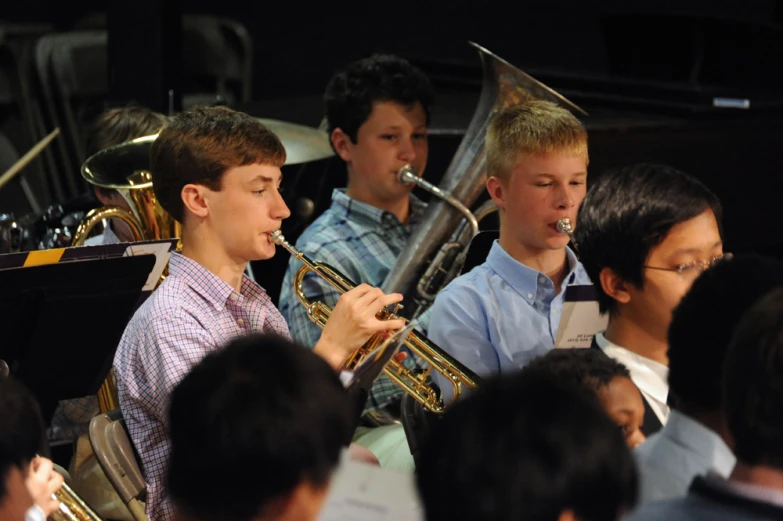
505	312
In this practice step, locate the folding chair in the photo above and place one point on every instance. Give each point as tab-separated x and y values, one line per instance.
120	462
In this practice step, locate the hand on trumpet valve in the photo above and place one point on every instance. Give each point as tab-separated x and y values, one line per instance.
42	482
357	316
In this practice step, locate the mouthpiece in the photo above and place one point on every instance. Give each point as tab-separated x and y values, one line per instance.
564	226
407	175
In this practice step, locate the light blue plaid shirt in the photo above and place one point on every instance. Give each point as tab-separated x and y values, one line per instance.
361	241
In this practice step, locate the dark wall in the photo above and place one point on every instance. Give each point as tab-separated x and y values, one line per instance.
299	44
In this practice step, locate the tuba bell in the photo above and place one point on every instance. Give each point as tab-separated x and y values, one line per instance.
415	384
503	85
126	169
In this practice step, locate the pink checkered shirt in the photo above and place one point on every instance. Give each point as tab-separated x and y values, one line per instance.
190	315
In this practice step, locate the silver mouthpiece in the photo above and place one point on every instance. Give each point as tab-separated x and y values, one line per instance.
564	226
407	175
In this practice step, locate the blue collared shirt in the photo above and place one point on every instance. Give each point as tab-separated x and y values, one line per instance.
500	315
361	241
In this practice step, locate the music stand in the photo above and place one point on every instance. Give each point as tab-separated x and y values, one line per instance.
64	320
359	382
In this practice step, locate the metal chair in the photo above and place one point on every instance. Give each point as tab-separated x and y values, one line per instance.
118	459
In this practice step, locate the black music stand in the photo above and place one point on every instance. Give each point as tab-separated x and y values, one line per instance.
62	322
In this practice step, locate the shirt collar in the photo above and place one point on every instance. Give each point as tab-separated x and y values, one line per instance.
214	289
109	237
524	279
372	215
649	376
684	430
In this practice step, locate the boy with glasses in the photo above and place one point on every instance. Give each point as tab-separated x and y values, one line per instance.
645	233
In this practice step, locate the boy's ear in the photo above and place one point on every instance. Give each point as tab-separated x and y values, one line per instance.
497	191
341	143
194	200
614	285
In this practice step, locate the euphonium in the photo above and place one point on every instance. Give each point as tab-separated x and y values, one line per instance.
72	507
414	384
126	169
503	85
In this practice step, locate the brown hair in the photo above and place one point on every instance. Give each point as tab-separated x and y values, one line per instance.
198	146
531	128
119	125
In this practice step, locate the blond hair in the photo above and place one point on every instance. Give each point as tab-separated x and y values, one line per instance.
531	128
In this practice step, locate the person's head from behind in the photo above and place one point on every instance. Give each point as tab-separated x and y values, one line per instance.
116	126
377	112
22	435
526	448
217	172
702	325
537	172
272	419
610	380
645	232
753	384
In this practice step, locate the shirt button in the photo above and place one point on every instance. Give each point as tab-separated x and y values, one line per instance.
529	295
541	279
234	296
241	322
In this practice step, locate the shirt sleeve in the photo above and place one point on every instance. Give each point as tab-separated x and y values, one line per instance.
172	345
458	325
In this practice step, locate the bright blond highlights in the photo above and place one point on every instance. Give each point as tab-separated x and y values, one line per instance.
531	128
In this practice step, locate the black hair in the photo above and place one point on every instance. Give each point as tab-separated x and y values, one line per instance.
629	211
753	383
586	368
251	422
22	429
526	448
703	322
351	92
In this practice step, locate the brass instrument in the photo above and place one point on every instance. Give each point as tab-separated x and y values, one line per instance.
125	168
414	384
564	226
503	85
72	507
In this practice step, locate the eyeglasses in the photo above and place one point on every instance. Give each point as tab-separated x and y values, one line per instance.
693	269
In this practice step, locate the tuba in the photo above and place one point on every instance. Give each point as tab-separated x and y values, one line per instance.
503	85
126	168
413	383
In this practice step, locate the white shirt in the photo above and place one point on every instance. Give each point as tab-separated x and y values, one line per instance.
651	377
683	449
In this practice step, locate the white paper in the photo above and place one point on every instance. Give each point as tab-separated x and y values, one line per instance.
162	252
364	492
579	322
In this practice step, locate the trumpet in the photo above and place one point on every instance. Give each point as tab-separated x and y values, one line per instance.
72	507
415	384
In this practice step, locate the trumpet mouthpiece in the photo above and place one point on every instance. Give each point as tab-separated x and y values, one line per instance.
564	226
276	237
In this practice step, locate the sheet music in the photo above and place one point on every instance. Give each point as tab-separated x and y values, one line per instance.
581	318
161	250
364	492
